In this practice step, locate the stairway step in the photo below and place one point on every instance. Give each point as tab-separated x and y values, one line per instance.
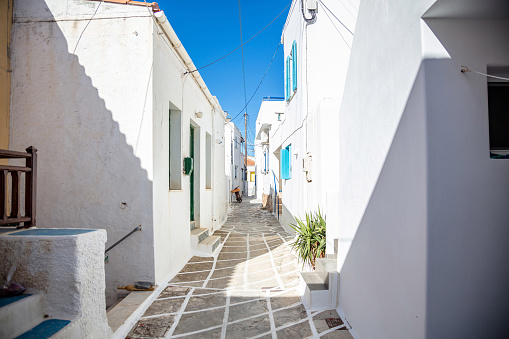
200	234
313	281
20	313
324	268
209	244
46	329
124	313
193	225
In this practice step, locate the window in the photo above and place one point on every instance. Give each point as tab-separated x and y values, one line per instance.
498	103
235	171
208	161
286	162
291	72
175	156
265	162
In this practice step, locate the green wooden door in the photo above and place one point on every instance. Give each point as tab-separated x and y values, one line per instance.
191	177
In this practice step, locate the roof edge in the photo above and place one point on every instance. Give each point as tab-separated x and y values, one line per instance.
153	5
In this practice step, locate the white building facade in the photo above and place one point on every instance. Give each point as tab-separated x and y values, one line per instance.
234	159
118	114
270	116
316	51
422	222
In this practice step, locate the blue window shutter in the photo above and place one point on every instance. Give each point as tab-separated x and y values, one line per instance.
289	154
294	65
287	78
284	163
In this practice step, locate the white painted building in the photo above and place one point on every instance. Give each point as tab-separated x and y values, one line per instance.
106	96
423	222
234	158
316	53
270	116
251	176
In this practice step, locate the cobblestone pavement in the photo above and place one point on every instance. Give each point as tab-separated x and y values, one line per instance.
248	291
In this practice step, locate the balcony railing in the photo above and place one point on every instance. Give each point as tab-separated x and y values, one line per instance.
12	179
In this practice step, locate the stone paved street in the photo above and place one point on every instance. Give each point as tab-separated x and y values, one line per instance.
248	291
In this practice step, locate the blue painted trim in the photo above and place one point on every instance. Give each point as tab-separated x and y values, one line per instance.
45	330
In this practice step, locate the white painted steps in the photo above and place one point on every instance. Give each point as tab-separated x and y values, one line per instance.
320	289
202	243
22	317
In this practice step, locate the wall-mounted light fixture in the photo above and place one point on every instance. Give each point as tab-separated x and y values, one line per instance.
199	114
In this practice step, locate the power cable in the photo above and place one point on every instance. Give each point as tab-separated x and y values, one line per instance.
84	29
333	24
334	15
273	57
254	36
465	69
242	50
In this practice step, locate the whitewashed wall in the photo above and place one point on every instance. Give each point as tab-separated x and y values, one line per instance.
231	133
311	120
99	118
267	120
421	202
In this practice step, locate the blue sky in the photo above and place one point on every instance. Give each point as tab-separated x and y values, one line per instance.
210	29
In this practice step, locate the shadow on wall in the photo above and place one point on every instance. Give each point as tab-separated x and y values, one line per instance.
89	176
424	248
386	263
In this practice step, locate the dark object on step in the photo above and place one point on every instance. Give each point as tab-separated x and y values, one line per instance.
142	285
10	290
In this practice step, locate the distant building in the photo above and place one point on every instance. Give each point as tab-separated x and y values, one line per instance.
270	116
234	158
251	175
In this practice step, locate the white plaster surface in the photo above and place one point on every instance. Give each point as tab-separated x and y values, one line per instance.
311	120
69	271
420	200
101	125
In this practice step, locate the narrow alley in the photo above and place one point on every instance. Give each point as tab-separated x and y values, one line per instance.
248	291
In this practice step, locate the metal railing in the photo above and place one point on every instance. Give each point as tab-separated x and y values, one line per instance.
11	183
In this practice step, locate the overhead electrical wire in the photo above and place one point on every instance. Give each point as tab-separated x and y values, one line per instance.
465	69
84	29
242	50
254	36
333	24
256	90
334	15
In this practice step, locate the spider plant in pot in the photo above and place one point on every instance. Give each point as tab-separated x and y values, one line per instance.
310	242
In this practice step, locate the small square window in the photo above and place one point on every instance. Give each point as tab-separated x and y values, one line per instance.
498	107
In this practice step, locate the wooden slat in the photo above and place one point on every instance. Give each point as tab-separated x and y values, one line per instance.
15	168
15	195
4	191
5	154
31	188
14	220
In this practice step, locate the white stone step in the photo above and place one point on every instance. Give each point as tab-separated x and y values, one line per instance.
192	225
209	244
324	268
21	315
124	315
198	235
316	293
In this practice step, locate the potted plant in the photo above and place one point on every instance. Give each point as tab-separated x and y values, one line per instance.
310	242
